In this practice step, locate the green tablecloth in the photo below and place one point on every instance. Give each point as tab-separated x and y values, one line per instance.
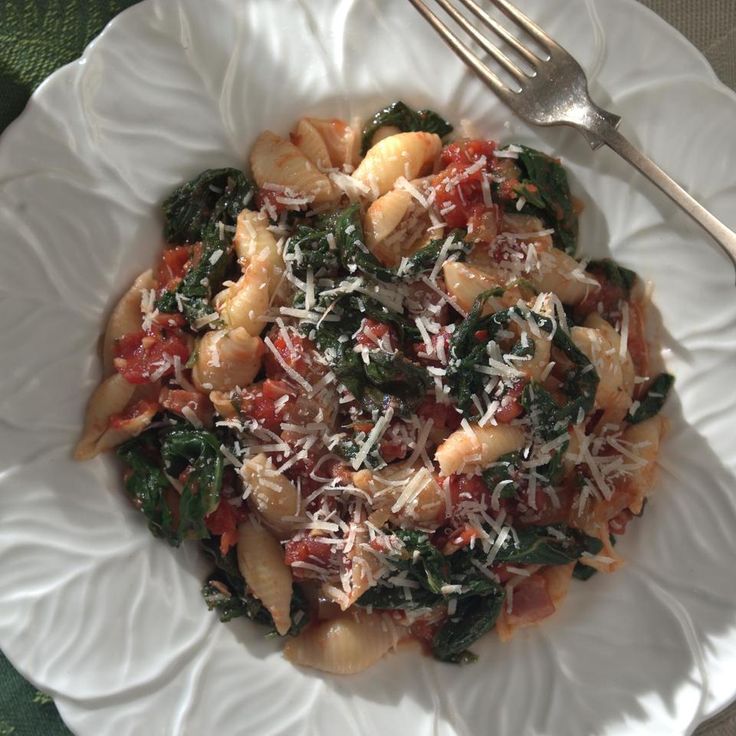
38	36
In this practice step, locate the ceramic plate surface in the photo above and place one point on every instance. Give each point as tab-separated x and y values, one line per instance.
110	621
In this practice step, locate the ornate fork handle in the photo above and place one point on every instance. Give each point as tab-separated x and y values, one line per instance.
725	237
554	91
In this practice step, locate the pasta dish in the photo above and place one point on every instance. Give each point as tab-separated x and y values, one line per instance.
376	384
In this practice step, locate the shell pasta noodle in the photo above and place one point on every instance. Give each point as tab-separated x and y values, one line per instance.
380	389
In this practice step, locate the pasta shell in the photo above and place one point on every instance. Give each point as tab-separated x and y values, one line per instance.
109	398
245	303
645	439
341	140
407	154
556	273
125	318
226	359
558	579
261	563
224	404
469	452
418	500
465	283
616	376
306	138
272	495
345	645
384	216
275	160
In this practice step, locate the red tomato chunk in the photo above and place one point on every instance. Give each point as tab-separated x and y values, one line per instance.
145	357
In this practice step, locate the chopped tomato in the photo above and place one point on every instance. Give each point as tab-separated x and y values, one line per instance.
297	353
374	334
511	403
467	151
531	602
224	521
176	400
276	202
259	402
459	187
450	540
145	357
440	347
467	487
443	416
392	449
172	266
309	550
135	410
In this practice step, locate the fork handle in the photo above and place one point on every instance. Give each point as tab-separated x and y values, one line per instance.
725	237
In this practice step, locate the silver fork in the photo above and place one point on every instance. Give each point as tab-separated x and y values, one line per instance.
554	91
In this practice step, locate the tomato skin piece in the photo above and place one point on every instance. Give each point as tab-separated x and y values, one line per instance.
300	358
224	521
467	151
369	327
511	406
443	416
175	400
144	406
139	355
309	550
391	450
173	265
259	402
459	195
463	487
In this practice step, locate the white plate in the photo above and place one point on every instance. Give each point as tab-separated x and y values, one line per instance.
109	620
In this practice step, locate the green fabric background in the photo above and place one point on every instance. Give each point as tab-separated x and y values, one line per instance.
38	36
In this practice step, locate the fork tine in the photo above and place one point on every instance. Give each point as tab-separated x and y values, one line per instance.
463	51
501	32
527	24
482	41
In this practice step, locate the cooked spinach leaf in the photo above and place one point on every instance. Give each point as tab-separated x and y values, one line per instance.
225	591
352	252
147	485
396	375
555	544
473	617
544	185
501	472
654	400
397	599
309	247
583	572
401	116
466	351
198	451
194	292
215	195
386	380
425	258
